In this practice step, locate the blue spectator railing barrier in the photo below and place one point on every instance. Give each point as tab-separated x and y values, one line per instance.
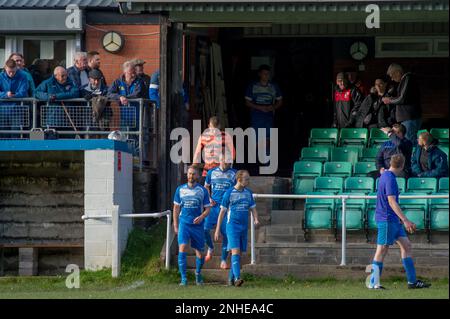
137	121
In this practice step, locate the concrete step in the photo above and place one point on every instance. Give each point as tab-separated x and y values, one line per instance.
290	217
214	263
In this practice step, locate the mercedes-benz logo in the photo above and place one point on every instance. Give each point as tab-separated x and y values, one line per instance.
112	41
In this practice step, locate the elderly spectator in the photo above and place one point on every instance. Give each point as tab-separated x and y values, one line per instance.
428	160
20	62
93	58
145	78
127	86
397	144
373	113
78	73
407	100
347	100
95	86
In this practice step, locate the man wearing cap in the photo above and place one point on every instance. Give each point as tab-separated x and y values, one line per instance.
347	100
145	78
95	86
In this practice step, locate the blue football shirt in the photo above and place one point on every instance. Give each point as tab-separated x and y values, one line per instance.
387	186
192	201
238	203
220	182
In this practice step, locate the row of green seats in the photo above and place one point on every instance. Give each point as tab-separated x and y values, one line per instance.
338	154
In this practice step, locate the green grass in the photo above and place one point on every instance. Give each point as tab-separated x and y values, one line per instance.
143	276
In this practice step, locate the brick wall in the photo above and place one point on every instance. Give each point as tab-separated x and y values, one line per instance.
141	41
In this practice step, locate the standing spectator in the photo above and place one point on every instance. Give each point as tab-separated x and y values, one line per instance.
154	89
95	86
428	160
263	97
13	84
407	100
20	62
145	78
127	86
373	113
397	144
58	87
39	71
93	59
347	100
78	73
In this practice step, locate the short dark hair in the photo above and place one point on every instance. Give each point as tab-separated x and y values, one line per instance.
397	161
10	63
90	54
400	128
264	67
214	120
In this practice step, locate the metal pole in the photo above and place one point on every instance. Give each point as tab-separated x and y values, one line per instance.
115	254
344	230
169	227
141	136
34	114
252	238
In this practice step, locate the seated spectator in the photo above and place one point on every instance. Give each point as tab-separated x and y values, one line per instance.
95	86
58	87
145	78
93	59
373	113
428	160
20	62
78	73
13	84
397	144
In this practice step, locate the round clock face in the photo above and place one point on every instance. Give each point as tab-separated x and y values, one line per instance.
358	50
112	41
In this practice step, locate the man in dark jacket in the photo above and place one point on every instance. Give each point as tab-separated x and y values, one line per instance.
428	160
347	100
93	60
407	100
397	144
95	86
78	73
145	78
373	113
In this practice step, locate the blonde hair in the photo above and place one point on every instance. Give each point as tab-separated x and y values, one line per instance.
397	161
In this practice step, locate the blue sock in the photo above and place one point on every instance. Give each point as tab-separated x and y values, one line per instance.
408	264
375	264
224	249
236	265
199	264
208	239
182	265
230	274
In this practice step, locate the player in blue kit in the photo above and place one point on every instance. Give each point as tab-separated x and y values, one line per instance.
391	224
218	181
237	202
192	199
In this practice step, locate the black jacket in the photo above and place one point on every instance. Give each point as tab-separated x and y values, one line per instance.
407	100
395	145
346	106
372	113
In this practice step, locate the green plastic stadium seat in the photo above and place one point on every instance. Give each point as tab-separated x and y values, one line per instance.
415	210
439	214
323	136
371	205
304	174
444	149
443	185
359	185
319	212
441	134
353	136
422	185
344	154
362	168
377	137
328	184
355	211
368	154
337	169
316	154
401	183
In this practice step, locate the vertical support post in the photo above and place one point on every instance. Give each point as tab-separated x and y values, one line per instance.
115	253
344	230
252	239
168	233
141	135
34	113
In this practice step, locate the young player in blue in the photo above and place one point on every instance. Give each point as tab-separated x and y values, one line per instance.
391	224
192	199
218	181
237	202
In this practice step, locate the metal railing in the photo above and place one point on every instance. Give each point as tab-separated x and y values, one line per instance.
137	120
343	199
116	254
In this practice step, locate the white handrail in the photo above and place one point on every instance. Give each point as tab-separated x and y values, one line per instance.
343	198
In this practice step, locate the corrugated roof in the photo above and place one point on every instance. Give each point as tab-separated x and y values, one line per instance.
55	3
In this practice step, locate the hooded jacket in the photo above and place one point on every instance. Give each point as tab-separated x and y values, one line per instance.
395	145
373	107
437	162
346	105
51	86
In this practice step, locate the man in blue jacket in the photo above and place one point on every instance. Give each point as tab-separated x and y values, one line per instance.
58	87
397	144
20	62
78	73
13	84
428	160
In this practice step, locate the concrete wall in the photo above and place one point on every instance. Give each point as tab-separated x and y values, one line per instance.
108	186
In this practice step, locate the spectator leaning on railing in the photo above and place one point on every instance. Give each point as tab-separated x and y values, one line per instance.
127	86
95	86
20	62
145	78
428	160
78	73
